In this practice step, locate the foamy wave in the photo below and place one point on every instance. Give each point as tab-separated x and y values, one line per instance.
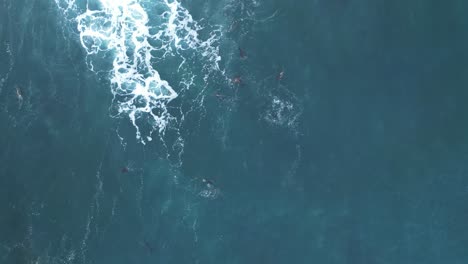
122	29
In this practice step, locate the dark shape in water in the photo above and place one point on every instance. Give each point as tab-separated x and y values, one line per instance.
242	54
147	245
234	26
124	170
237	80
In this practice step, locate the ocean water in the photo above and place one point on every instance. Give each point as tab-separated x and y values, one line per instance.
233	131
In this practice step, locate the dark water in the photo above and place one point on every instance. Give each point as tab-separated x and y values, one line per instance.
357	155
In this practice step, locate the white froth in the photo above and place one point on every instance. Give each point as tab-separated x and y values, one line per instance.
122	28
10	68
282	112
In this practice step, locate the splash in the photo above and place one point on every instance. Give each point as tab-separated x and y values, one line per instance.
123	31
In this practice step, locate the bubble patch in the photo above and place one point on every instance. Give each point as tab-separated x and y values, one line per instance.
282	112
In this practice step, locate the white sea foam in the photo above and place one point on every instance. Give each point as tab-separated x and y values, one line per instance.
210	193
282	112
10	64
123	29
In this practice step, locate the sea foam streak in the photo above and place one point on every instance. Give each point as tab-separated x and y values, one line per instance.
122	28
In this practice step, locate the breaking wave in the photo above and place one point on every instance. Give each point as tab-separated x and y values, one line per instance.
137	45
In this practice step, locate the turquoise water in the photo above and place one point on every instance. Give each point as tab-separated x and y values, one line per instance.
324	131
